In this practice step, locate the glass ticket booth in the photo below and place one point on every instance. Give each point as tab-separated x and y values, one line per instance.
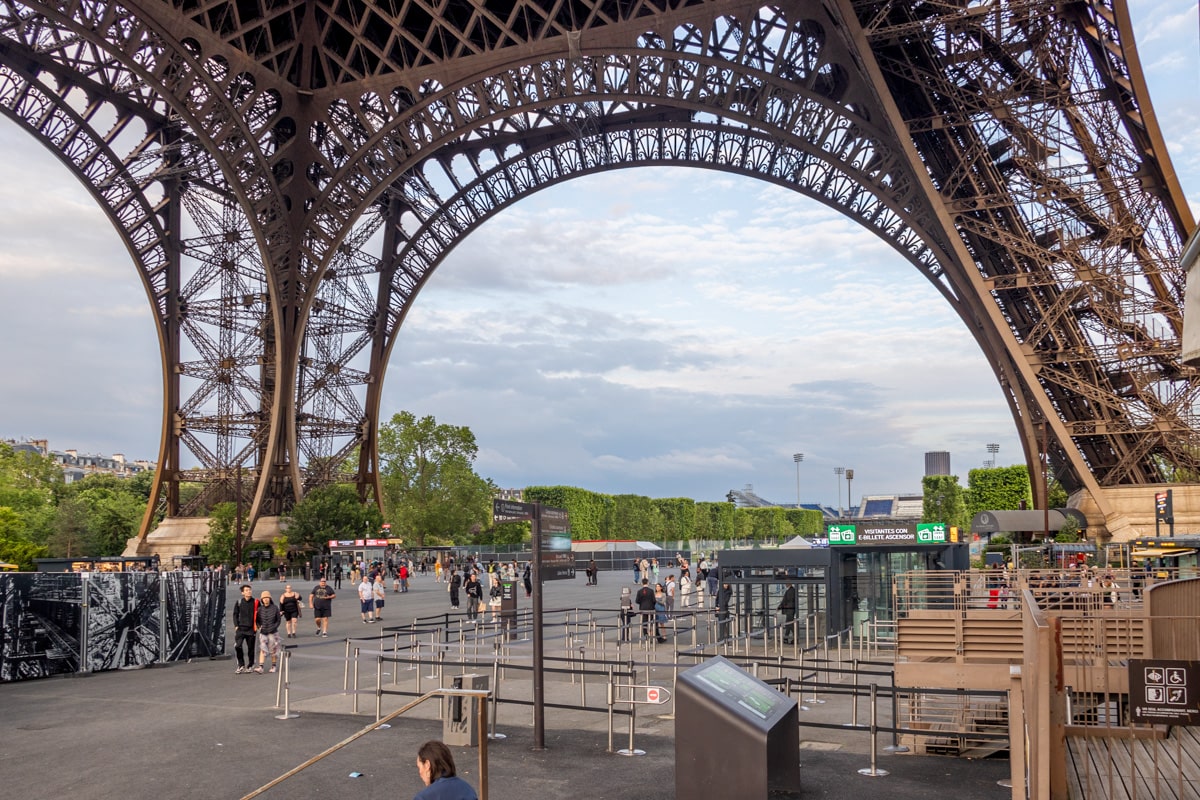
836	587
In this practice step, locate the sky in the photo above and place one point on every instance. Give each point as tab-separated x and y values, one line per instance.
664	332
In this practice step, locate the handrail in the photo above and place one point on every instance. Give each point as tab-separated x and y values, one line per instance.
481	694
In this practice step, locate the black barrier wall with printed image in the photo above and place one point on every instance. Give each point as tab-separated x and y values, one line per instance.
194	615
47	628
41	616
123	616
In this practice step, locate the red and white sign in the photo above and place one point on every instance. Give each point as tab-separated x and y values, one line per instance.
652	695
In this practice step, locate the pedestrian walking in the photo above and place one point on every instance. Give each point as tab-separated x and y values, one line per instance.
787	606
320	600
366	601
245	611
474	592
289	605
380	592
267	620
453	584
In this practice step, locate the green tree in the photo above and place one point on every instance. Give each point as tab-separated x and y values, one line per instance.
590	512
944	501
71	536
25	469
429	485
222	525
998	489
30	484
1069	532
677	517
15	548
331	512
714	521
636	517
508	533
113	517
805	521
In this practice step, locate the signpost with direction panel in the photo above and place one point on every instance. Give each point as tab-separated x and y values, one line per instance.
552	560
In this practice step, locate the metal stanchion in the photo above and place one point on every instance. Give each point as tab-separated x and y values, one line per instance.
853	723
582	678
433	653
396	659
355	708
631	750
279	680
346	669
895	746
378	687
872	771
610	699
285	681
414	646
814	699
495	700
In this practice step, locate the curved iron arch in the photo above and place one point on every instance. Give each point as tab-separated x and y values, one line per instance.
477	200
645	73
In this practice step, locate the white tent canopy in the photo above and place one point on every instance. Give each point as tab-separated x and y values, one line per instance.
796	542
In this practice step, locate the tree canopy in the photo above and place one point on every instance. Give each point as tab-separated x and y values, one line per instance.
431	493
331	512
944	501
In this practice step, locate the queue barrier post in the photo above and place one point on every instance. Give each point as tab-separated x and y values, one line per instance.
873	771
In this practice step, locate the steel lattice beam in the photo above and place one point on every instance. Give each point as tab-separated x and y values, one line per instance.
287	175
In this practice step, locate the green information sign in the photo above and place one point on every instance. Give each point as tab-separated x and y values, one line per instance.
932	533
842	535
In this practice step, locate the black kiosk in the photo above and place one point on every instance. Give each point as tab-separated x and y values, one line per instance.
733	731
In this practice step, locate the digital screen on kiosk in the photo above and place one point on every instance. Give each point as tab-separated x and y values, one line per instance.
739	690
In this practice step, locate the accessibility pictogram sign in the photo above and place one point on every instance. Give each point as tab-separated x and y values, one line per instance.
1164	691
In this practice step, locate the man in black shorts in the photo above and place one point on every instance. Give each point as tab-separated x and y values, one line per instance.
321	602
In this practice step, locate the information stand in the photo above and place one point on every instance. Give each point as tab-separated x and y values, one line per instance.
734	731
508	607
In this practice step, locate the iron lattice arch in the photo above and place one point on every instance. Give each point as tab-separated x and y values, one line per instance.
286	177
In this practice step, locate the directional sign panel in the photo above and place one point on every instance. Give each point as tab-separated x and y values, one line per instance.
841	534
511	510
1164	692
558	562
931	532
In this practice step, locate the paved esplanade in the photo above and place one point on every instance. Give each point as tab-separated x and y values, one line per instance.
198	730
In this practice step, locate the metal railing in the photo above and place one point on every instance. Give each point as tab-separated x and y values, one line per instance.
480	694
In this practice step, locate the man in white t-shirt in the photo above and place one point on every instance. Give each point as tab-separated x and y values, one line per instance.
366	599
670	592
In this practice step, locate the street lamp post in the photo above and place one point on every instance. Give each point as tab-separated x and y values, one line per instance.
992	450
797	457
839	471
849	478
